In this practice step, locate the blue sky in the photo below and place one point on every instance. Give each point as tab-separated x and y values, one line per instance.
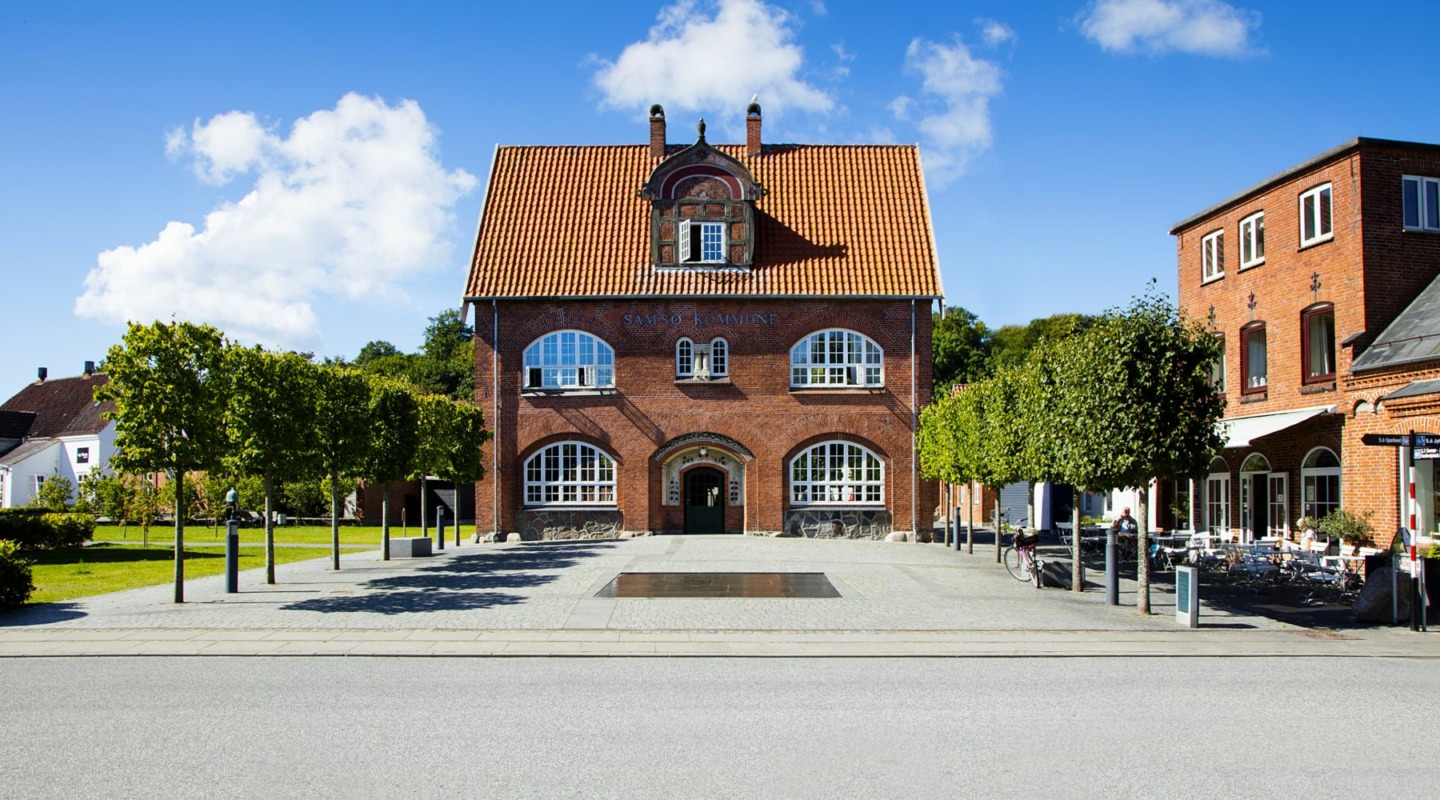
309	174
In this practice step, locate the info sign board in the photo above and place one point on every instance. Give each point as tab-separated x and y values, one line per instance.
1423	441
1187	597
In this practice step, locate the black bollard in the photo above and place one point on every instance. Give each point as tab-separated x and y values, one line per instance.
957	530
1112	569
232	557
440	528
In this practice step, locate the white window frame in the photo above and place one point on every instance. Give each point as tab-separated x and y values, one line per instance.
837	473
1217	502
719	357
1308	476
1252	240
1427	207
1212	256
1278	517
568	360
708	233
1316	225
685	358
570	474
837	357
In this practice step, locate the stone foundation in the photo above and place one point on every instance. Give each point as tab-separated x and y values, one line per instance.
838	523
562	523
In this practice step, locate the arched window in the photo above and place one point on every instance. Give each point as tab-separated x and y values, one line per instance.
570	474
1319	483
836	358
684	358
569	360
837	473
719	358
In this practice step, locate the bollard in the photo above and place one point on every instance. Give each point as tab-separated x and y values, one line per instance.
1112	570
232	557
957	530
440	528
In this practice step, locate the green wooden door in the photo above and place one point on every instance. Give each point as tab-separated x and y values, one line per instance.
704	501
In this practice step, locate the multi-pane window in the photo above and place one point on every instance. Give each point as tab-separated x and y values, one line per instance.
702	242
1212	256
1320	483
1315	216
1252	240
569	360
719	358
1217	497
1252	356
837	473
836	358
1217	367
1422	203
569	474
684	358
1318	350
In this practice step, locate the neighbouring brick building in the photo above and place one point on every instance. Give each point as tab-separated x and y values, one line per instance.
1322	281
703	338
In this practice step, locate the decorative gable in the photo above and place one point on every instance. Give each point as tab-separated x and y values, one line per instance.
702	209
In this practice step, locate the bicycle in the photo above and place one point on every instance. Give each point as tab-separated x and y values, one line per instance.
1021	560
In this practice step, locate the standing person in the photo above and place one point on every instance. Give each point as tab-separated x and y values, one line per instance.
1125	524
232	499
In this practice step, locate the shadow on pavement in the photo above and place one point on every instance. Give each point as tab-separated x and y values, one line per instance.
42	614
463	583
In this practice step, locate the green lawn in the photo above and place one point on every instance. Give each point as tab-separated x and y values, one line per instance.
368	536
81	571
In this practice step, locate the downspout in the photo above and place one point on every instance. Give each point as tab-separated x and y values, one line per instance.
914	471
495	378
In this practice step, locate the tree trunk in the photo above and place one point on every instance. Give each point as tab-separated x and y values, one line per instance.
1142	551
179	536
1077	569
385	524
335	521
970	518
269	531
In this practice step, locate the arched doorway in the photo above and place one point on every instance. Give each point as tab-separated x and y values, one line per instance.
704	494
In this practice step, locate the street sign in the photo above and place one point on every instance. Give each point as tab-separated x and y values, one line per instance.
1426	453
1401	440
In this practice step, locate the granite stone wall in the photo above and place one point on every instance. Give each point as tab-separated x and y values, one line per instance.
562	523
838	523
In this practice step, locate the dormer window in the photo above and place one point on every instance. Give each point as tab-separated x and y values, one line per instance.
702	242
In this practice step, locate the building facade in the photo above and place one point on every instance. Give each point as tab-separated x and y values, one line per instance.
703	338
1319	282
53	428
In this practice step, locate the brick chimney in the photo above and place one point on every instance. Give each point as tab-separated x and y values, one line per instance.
752	129
657	131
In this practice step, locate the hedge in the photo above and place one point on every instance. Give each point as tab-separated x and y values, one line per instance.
38	529
16	583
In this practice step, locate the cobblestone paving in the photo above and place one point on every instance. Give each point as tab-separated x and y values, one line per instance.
551	586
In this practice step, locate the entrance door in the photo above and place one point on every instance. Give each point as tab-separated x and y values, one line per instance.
1259	505
704	501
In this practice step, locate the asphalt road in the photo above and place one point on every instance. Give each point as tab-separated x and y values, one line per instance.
685	727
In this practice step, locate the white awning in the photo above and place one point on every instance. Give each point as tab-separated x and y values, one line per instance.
1240	431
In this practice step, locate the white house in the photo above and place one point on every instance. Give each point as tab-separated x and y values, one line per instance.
52	428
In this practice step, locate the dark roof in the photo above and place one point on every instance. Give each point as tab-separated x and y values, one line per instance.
1413	336
1303	167
1415	389
62	406
15	424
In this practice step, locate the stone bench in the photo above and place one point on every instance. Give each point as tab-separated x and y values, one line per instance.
410	546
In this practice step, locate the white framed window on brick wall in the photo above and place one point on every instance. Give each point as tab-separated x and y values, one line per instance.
1421	199
837	473
1252	240
684	358
570	474
837	357
702	242
1319	483
1212	256
567	360
1316	212
719	358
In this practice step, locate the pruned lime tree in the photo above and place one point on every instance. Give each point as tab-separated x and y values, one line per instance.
451	434
272	424
995	437
1138	387
169	386
394	440
342	436
938	443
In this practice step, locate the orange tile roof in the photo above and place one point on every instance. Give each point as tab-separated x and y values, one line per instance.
565	221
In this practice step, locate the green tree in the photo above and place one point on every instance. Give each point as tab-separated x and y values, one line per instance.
451	434
394	442
168	384
961	345
1011	344
993	436
272	423
54	493
374	350
342	442
1137	386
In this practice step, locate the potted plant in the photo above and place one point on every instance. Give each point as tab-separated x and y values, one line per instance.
1350	528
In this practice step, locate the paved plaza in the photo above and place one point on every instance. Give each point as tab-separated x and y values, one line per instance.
531	598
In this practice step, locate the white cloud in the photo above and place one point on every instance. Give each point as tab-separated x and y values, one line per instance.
995	33
695	61
1201	27
954	109
354	202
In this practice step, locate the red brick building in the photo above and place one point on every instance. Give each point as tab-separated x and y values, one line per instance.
1321	281
703	338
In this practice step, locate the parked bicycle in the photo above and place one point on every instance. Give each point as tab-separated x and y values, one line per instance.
1021	559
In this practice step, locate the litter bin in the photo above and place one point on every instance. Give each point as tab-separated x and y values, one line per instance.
279	519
